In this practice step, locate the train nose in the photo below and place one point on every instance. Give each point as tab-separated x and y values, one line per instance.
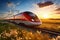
36	23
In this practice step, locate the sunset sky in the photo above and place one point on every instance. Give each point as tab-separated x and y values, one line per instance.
11	6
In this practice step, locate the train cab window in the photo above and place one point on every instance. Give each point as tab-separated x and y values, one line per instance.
34	17
31	16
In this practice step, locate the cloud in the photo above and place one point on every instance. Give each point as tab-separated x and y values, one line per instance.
58	9
10	4
17	3
48	3
12	7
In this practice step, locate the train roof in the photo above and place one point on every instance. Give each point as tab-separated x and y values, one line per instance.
27	12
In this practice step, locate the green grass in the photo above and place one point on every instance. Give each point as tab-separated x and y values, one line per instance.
7	26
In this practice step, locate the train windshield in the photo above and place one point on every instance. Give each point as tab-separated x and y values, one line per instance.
33	17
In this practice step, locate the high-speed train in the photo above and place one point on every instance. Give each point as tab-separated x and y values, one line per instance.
26	18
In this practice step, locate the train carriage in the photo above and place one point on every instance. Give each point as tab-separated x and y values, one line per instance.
26	18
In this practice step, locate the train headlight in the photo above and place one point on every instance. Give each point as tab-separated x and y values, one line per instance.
32	19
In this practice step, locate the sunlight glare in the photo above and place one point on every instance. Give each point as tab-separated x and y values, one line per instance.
45	16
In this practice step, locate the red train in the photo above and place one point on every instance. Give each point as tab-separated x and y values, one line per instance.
26	18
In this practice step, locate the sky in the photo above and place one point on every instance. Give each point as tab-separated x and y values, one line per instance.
15	6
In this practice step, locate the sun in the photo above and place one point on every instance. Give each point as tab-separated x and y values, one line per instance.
45	16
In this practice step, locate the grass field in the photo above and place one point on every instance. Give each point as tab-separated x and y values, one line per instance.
51	21
9	31
51	24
